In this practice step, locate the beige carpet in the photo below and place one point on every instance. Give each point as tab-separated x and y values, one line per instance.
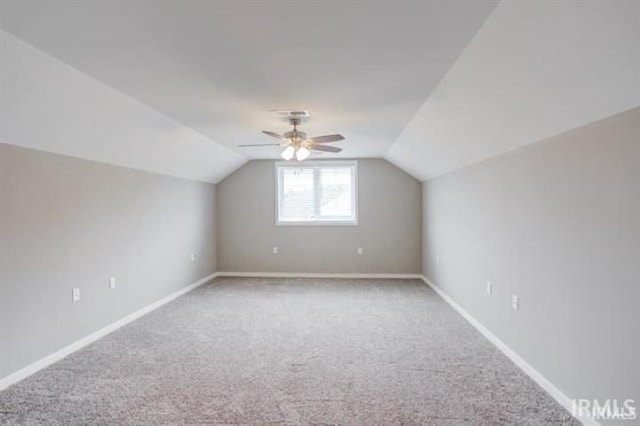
288	351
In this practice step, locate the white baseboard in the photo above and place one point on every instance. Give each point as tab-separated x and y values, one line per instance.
542	381
317	275
558	395
67	350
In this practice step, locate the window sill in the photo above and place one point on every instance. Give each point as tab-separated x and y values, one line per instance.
316	223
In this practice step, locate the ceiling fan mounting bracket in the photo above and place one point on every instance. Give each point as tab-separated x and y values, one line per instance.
291	113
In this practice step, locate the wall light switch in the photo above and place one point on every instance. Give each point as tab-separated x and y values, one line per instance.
112	283
75	295
193	257
489	288
360	250
515	302
275	250
437	260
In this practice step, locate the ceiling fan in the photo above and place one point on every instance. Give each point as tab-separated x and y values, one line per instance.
297	145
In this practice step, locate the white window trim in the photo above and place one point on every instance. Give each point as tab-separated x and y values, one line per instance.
328	163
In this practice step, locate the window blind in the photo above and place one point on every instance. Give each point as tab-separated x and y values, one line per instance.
317	193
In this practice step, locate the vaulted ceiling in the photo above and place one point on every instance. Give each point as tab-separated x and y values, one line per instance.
534	70
430	85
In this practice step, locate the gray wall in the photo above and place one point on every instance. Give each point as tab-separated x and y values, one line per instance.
557	223
68	223
388	231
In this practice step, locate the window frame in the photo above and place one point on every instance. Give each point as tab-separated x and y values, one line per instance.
324	163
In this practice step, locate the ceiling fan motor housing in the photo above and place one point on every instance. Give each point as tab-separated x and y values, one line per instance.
295	135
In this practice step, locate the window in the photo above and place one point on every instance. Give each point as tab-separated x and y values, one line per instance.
317	193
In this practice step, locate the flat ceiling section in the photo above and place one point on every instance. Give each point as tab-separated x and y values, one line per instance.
362	68
534	70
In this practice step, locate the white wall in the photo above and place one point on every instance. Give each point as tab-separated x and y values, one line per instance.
388	228
558	224
66	223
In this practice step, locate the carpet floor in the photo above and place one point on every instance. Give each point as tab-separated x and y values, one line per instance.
288	351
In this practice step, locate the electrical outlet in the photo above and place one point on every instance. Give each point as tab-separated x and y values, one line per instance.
360	251
112	283
515	302
489	288
275	250
193	257
75	295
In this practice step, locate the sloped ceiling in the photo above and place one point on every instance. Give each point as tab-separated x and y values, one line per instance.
534	70
362	68
47	105
429	85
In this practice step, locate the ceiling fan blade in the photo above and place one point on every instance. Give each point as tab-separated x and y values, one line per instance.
259	144
324	148
326	139
274	135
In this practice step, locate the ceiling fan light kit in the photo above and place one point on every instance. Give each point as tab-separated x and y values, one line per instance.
297	146
302	153
288	153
